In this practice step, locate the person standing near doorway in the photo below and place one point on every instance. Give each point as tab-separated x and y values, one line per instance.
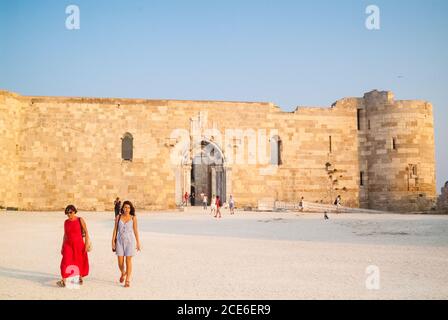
185	203
192	198
204	202
218	207
213	205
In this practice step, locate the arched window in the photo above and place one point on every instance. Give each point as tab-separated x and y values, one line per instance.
127	147
276	151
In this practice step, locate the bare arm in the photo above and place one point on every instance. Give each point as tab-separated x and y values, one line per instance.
84	227
136	234
114	234
63	240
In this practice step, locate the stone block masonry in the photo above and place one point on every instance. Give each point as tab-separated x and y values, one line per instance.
375	152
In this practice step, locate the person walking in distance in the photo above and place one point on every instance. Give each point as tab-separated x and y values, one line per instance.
337	203
232	205
186	197
218	207
204	202
117	206
301	205
213	206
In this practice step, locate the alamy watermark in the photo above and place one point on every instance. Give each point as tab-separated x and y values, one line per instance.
72	282
373	20
73	20
373	277
235	146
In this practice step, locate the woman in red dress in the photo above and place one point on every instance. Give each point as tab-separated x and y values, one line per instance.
218	207
74	251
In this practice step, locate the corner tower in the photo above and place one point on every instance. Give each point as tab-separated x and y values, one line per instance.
396	153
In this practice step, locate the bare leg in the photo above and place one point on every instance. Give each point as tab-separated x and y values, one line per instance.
128	270
121	267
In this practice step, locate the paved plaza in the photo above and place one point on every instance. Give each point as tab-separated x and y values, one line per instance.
250	255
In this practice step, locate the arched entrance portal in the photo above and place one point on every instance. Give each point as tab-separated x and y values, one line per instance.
208	173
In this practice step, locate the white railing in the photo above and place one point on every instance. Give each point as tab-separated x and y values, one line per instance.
271	205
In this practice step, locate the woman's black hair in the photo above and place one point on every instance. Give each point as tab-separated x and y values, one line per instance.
131	205
69	208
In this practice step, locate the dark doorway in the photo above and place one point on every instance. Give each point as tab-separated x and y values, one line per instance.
208	174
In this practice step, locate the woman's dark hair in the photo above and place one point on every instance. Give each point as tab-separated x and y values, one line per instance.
131	205
69	208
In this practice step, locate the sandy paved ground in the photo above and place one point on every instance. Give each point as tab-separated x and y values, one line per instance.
246	256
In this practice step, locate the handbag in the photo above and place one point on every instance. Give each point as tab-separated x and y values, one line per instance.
83	234
116	234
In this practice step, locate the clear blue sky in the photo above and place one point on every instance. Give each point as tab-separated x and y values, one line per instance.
287	52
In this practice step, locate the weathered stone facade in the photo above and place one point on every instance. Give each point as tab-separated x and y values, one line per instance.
58	150
442	201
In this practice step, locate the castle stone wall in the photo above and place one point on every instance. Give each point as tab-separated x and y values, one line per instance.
68	150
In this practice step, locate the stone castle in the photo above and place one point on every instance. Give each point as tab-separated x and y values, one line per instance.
374	151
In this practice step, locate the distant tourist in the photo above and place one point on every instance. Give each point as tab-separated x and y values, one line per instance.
337	203
325	215
192	198
232	205
75	261
117	206
301	205
218	207
204	202
213	205
124	240
185	203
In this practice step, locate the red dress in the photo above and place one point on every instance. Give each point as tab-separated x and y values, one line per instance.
74	255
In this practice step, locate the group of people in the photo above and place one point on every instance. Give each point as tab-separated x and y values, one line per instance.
76	243
188	198
215	204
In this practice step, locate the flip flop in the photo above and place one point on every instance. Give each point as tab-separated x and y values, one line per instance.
127	284
60	284
122	278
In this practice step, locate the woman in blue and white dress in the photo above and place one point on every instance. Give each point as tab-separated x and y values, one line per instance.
125	240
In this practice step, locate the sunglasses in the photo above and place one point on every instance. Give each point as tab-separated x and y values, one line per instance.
70	212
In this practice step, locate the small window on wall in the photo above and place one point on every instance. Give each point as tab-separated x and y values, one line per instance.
127	147
358	118
330	147
413	171
394	143
361	178
276	150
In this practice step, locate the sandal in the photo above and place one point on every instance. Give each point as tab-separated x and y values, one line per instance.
127	284
81	281
60	283
122	278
